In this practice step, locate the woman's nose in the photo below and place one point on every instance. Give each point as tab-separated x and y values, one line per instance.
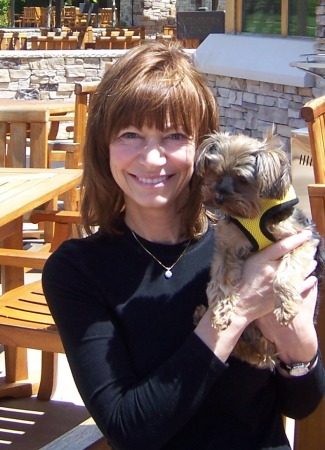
154	155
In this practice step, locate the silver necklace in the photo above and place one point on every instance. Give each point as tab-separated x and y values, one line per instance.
168	273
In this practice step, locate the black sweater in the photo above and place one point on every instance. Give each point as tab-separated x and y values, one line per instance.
148	381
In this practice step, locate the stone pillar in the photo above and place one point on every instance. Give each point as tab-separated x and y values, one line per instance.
151	14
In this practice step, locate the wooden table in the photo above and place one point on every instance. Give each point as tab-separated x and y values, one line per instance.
22	190
48	127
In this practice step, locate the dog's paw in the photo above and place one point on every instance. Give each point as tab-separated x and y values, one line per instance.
221	315
285	313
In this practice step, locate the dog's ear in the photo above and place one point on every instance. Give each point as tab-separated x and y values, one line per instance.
273	169
206	152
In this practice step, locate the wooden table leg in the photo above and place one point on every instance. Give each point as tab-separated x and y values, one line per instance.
15	358
12	277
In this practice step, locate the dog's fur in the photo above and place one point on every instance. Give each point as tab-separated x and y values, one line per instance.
239	172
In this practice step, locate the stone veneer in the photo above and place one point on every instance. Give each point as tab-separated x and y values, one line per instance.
51	74
154	14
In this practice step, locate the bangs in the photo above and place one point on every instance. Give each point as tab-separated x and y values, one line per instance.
159	103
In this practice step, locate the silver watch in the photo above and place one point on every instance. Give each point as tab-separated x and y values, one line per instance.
300	368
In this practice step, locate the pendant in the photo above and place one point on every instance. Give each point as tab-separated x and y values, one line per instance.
168	274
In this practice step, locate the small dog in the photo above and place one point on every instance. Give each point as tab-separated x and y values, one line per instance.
249	182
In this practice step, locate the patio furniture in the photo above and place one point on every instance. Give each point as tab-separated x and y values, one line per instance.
47	16
105	17
83	93
25	320
54	42
31	16
32	122
6	40
313	112
69	17
121	42
310	432
85	34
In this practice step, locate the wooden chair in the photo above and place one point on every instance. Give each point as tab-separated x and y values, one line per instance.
70	16
6	40
313	112
103	43
57	148
310	432
25	320
23	126
17	19
105	17
85	35
31	16
47	16
54	42
20	41
70	152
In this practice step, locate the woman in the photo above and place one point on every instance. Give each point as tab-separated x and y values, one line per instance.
124	298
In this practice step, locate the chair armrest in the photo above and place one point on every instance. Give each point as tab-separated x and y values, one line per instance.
69	217
23	258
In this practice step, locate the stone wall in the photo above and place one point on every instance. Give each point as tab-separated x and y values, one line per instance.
154	14
50	74
252	107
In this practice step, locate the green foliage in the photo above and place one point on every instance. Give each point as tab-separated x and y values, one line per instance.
264	16
4	8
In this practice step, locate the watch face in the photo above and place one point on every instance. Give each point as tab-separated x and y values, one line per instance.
298	370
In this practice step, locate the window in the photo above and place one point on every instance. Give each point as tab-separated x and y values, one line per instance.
278	17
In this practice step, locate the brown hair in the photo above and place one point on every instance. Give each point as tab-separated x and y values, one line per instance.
147	85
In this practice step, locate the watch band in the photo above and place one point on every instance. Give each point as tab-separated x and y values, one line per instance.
300	368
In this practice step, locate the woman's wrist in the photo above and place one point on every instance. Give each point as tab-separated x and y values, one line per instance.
220	342
297	369
295	348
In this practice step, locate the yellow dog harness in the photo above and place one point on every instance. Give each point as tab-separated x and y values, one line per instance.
255	229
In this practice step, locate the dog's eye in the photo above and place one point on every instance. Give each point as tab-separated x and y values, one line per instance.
242	180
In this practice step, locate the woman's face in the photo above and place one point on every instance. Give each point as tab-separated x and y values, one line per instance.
152	167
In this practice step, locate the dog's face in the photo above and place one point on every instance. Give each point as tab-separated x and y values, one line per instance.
239	172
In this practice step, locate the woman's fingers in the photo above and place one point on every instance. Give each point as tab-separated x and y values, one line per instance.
286	245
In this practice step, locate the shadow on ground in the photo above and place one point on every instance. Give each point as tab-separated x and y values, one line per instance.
29	424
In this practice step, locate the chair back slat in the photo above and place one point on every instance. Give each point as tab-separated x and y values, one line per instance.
21	129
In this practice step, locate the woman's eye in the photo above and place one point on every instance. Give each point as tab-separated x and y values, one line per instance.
177	136
129	135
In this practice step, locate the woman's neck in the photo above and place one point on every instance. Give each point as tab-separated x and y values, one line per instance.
154	227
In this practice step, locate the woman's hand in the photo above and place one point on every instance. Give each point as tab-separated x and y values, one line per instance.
256	303
256	295
296	342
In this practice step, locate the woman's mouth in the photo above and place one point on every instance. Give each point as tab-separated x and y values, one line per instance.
153	180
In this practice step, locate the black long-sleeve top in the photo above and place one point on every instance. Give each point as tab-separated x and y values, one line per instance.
148	381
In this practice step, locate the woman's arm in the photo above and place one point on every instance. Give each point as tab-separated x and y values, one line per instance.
132	411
